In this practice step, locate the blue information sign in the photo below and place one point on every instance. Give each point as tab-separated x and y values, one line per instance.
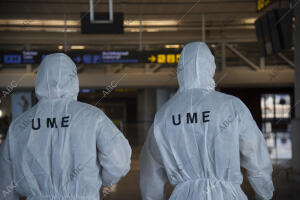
12	59
95	57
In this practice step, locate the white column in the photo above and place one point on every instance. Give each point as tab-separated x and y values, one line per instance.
162	96
146	112
296	121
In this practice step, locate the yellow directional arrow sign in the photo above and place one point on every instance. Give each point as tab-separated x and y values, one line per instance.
152	58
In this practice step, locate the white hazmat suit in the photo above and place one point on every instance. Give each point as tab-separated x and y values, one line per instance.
61	148
201	137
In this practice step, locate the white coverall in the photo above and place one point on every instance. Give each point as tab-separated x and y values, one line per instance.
201	137
61	148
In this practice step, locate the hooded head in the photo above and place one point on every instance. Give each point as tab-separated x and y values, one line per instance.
196	67
57	78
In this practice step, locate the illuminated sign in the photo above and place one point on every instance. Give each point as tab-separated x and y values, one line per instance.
28	56
164	58
261	4
12	59
95	57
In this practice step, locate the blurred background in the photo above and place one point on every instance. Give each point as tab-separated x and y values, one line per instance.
126	52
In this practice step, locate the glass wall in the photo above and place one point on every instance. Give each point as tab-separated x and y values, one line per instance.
276	124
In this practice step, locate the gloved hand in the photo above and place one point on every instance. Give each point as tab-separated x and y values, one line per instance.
257	197
107	190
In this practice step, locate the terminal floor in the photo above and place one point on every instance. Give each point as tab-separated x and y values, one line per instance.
285	187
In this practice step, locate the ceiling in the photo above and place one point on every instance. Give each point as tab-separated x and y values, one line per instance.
51	24
40	23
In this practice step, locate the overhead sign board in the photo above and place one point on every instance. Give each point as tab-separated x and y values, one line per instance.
95	57
261	4
116	27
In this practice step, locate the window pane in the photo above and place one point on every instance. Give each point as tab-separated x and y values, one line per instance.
282	105
267	106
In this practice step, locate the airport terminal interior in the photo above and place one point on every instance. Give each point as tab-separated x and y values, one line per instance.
127	51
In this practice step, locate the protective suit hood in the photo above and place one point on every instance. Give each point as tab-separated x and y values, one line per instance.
57	78
196	67
200	139
61	149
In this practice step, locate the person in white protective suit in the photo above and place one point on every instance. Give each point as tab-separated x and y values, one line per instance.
61	148
201	137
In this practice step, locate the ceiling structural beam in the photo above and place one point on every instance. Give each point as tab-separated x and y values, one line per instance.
108	68
118	68
161	28
150	68
223	49
28	68
42	38
249	62
80	68
175	9
262	62
147	67
155	68
231	77
140	34
203	28
287	60
65	34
